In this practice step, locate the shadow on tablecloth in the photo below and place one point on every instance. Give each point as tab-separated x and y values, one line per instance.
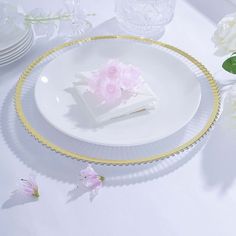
16	198
219	156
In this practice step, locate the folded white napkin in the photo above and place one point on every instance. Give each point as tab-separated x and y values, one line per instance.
143	98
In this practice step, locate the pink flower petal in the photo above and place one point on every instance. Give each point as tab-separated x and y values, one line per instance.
29	186
90	178
130	77
88	171
113	69
110	91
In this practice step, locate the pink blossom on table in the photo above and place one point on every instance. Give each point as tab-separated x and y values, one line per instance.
30	187
91	179
130	78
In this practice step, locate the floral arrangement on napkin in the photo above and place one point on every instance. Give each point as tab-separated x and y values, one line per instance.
115	89
114	79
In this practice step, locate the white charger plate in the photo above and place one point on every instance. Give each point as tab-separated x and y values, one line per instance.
176	87
185	139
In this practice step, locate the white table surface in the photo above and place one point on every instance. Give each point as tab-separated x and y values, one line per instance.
196	196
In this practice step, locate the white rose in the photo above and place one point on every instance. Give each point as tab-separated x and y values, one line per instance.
225	35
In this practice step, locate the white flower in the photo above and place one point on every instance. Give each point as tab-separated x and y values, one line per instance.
225	35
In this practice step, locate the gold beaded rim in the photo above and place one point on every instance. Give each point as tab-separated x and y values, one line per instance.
210	123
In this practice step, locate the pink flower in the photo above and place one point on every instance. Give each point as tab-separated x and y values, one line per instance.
112	70
95	81
91	179
110	91
30	186
130	77
114	78
104	87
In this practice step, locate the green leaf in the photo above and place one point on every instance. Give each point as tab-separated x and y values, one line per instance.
230	65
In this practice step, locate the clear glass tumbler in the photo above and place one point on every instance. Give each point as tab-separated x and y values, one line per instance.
145	18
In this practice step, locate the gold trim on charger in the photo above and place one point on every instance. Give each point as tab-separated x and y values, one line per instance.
211	121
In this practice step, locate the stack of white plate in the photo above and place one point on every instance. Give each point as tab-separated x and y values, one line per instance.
14	44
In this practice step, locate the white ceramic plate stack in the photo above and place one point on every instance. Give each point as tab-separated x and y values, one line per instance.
14	44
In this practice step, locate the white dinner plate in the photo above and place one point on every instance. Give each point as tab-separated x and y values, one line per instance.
18	46
18	55
176	86
18	50
12	38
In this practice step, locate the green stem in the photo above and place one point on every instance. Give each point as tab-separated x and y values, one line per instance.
102	178
45	19
36	193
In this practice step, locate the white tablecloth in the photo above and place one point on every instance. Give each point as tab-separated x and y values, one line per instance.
197	198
